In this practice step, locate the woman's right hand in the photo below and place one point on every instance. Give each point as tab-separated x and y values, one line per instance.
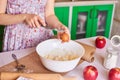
34	20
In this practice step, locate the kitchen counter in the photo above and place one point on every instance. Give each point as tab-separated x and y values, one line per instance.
5	59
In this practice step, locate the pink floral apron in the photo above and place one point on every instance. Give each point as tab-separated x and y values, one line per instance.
21	36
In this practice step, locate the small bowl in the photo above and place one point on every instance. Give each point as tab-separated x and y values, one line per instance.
46	47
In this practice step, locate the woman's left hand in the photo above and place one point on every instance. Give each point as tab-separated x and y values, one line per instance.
61	30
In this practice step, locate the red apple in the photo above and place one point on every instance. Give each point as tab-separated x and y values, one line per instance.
100	42
90	73
114	74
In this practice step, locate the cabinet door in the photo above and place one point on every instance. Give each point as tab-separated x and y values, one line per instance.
63	14
81	22
1	37
102	20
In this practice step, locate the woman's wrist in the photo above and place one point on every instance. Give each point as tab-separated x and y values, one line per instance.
23	17
58	26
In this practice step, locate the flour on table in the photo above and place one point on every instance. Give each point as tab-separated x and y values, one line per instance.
23	78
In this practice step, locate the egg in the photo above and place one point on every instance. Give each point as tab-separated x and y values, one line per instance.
64	37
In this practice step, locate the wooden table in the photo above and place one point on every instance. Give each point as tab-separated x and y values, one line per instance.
98	63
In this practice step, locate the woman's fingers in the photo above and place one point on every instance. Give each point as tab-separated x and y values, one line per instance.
41	21
64	34
37	24
33	24
59	34
34	20
66	30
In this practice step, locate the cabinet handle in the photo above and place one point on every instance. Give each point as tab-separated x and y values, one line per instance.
97	11
91	13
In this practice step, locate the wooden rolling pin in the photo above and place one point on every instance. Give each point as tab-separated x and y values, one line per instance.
34	76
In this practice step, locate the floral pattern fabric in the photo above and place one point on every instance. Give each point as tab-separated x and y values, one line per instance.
21	36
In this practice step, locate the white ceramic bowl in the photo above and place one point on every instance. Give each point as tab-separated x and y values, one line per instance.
44	48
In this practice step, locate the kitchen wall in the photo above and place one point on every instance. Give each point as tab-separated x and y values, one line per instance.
116	21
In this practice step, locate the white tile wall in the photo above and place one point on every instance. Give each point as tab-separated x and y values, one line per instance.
115	28
116	24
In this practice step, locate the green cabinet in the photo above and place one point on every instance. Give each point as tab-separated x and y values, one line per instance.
102	20
81	22
62	14
88	21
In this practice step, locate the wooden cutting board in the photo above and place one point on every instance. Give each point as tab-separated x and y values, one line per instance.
34	76
33	63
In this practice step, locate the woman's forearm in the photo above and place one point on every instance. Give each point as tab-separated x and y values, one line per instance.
53	21
8	19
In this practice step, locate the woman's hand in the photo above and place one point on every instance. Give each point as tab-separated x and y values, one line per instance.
34	20
63	33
